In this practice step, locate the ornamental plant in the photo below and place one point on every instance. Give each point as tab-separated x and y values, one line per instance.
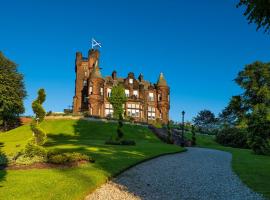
38	132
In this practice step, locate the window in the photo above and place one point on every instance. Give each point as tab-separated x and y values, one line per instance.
133	110
109	91
135	93
101	91
84	82
108	109
85	99
151	96
159	97
127	93
131	81
151	112
90	90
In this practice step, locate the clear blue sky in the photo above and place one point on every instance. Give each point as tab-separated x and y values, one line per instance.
199	45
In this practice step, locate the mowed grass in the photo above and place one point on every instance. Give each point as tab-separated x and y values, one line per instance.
80	136
253	170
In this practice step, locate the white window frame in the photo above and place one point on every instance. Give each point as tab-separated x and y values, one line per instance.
151	96
127	93
136	93
101	91
151	113
130	81
91	90
109	92
108	109
133	110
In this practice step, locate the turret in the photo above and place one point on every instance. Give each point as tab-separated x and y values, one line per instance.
163	92
96	91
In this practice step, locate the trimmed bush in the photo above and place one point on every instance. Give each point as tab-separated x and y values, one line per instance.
128	142
65	158
122	142
233	137
32	150
25	160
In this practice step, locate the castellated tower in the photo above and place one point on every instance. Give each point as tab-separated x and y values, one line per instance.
83	68
163	98
146	102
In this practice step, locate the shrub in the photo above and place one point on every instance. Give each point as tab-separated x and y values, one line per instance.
128	142
32	150
68	158
39	133
3	159
233	137
25	160
122	142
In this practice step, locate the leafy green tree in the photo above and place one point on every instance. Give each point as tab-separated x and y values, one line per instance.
258	12
233	114
205	121
12	93
255	81
39	133
117	99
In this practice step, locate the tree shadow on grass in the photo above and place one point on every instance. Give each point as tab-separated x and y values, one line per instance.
89	138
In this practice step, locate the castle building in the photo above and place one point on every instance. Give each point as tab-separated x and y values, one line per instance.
146	102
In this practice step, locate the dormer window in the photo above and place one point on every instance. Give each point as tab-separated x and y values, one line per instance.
130	81
135	93
127	93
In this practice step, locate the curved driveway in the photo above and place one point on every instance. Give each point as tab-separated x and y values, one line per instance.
196	174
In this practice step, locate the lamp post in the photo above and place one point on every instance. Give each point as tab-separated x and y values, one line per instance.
183	128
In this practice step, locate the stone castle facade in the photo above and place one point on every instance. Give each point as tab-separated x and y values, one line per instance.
146	102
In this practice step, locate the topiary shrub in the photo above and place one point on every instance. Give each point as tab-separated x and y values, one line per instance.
39	133
233	137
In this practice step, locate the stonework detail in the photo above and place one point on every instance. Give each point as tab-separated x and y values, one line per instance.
147	102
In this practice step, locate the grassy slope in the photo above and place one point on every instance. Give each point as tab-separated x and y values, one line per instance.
82	136
253	170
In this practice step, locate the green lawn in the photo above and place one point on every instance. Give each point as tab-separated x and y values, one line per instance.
253	170
82	136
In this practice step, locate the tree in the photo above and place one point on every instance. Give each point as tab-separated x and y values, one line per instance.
233	114
255	81
117	99
12	93
258	12
39	133
205	121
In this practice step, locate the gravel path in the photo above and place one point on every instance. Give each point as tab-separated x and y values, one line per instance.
196	174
